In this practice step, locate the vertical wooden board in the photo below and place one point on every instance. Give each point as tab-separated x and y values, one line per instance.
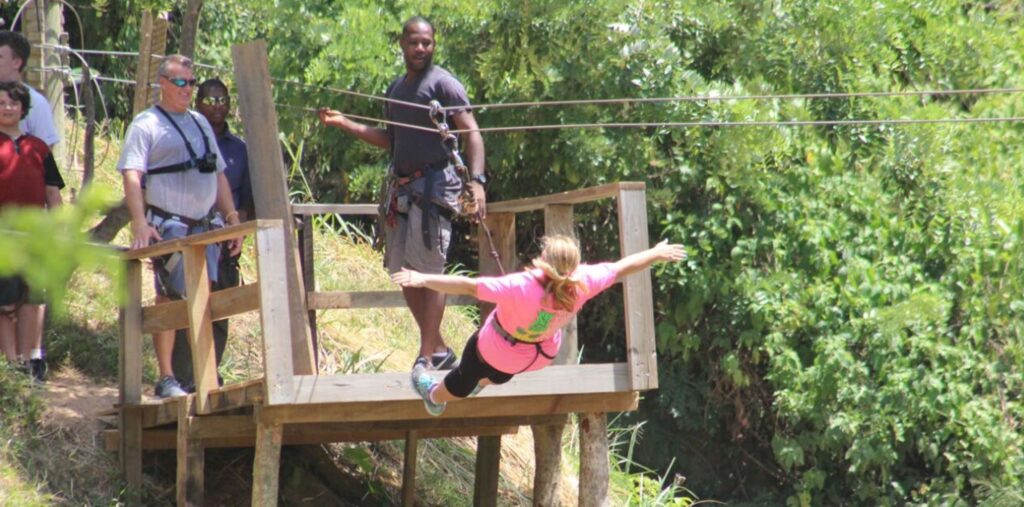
274	315
412	441
547	450
488	466
641	353
269	185
503	233
33	19
191	456
594	471
130	380
306	257
558	219
158	48
200	325
266	465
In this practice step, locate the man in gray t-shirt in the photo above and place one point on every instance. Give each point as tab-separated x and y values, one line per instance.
424	188
175	150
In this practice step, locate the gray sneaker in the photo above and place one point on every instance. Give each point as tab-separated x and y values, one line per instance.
168	387
446	360
423	383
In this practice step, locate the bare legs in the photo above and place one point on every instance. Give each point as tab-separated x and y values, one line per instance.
163	342
23	334
427	307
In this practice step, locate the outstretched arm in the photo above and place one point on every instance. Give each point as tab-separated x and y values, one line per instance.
635	262
449	284
373	135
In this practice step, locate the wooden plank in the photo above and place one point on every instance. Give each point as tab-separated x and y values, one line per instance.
167	439
224	304
278	364
307	260
190	459
232	396
558	219
570	197
594	469
641	352
371	299
413	409
200	328
266	464
409	469
203	238
338	209
488	466
143	64
130	379
502	227
394	386
269	186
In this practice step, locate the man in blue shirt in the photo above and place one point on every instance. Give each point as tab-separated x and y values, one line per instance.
214	102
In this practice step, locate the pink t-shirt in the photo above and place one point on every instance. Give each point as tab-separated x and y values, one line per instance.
523	313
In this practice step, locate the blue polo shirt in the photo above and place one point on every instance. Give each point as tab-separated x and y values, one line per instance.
237	160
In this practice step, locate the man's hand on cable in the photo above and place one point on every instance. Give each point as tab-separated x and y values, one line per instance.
331	117
143	235
479	198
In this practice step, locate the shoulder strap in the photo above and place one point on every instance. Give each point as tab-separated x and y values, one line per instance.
188	145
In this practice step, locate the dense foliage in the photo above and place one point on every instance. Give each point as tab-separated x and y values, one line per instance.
847	330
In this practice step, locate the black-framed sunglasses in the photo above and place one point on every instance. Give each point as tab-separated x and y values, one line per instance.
181	82
215	101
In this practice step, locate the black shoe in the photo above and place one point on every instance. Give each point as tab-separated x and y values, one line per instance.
446	360
37	368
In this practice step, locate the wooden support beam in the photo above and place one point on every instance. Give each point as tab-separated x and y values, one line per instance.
341	300
558	219
224	303
267	464
339	209
488	468
412	441
278	364
191	456
307	260
594	467
203	238
641	353
130	380
200	328
503	234
570	197
152	44
270	189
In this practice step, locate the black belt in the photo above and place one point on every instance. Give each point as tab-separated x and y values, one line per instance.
190	222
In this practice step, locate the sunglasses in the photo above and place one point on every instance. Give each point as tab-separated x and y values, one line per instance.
214	101
181	82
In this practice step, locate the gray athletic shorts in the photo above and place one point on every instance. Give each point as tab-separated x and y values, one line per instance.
404	245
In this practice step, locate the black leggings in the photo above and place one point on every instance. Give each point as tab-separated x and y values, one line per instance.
462	380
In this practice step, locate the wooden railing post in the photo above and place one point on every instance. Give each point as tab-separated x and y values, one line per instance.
275	316
130	380
306	260
641	355
200	324
269	186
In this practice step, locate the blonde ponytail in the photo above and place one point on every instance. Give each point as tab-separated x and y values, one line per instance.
559	257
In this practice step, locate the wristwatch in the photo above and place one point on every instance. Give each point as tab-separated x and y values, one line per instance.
479	178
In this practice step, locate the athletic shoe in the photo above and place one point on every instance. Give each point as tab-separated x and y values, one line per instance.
476	390
168	387
37	368
446	360
423	383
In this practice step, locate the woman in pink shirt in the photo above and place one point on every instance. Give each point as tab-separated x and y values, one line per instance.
524	331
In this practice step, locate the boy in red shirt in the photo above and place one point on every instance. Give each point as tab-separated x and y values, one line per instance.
28	178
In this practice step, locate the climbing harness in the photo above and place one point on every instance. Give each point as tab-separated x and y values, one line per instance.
512	340
467	201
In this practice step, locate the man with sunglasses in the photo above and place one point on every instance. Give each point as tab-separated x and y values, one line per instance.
214	103
172	148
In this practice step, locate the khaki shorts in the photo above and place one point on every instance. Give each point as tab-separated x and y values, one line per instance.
404	246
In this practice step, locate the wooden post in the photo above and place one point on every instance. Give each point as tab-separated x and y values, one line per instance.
641	354
306	259
488	466
130	380
547	439
191	458
274	314
269	186
503	231
267	464
33	26
412	441
89	137
152	45
43	24
200	324
593	460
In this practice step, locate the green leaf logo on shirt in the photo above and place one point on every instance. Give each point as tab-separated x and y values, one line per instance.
537	328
